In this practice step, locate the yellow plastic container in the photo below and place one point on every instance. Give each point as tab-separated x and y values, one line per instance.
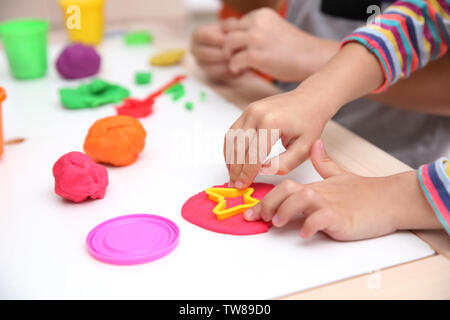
2	97
83	20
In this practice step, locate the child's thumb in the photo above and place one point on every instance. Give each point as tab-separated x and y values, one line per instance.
322	162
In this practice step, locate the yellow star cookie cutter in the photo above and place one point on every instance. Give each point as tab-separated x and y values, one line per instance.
168	58
219	194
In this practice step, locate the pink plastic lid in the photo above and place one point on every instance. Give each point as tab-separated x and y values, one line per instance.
133	239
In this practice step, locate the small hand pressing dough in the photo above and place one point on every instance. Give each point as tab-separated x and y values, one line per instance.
115	140
78	178
135	108
93	94
198	210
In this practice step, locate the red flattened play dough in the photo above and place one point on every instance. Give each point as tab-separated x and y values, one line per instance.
198	210
78	178
115	140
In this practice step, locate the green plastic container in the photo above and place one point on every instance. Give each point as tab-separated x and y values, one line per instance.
25	43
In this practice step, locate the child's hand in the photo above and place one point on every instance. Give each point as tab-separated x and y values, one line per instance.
264	41
207	47
346	206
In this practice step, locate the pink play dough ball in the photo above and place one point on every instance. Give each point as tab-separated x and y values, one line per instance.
78	177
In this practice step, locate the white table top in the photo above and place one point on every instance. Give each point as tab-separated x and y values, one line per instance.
42	237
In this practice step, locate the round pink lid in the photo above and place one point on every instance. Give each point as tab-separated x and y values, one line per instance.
133	239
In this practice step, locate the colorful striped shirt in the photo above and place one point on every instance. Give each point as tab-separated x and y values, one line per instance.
406	36
435	183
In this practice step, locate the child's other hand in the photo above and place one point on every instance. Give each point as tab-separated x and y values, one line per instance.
347	206
207	47
264	41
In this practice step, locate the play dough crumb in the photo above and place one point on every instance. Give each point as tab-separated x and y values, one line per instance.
189	105
133	239
143	77
141	108
93	94
138	37
168	58
78	178
78	61
98	86
223	209
115	140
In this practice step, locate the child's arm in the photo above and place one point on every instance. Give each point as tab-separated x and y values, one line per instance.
405	38
350	207
435	183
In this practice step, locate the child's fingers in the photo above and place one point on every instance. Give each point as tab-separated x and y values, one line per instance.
317	221
239	61
247	175
302	201
258	150
267	207
235	41
266	140
296	153
244	161
208	54
234	24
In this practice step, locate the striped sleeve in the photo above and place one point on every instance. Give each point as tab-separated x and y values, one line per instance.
435	183
406	36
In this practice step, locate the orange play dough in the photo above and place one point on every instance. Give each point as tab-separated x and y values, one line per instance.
115	140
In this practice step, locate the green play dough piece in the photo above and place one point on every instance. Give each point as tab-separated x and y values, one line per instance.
203	96
91	95
189	105
143	77
176	91
138	37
